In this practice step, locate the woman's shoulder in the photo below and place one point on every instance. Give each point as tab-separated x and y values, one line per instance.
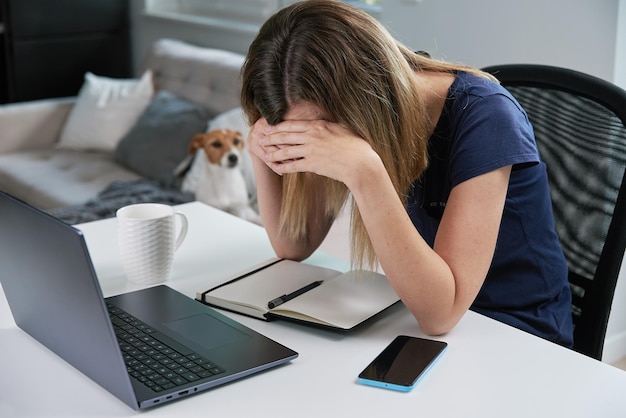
470	84
468	90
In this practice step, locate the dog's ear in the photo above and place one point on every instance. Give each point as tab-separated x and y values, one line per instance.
196	143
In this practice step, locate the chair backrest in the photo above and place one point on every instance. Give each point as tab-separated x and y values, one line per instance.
580	127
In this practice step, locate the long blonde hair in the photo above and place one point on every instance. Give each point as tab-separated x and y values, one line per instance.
343	61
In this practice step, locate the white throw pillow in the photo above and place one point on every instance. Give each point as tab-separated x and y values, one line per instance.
233	119
105	111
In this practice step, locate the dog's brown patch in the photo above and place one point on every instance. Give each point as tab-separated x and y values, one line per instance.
216	143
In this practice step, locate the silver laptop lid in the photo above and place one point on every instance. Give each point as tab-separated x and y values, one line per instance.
54	295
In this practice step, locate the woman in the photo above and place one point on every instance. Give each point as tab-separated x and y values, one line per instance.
450	196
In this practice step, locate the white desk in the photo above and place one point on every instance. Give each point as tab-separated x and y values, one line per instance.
489	370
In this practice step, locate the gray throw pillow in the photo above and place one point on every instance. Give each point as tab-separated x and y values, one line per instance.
159	141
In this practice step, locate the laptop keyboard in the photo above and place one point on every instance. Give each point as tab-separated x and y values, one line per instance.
153	359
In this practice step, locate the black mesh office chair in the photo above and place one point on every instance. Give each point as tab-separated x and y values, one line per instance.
580	127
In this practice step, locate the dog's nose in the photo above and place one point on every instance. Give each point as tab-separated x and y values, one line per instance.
232	160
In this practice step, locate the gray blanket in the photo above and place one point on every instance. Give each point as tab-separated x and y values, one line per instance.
119	194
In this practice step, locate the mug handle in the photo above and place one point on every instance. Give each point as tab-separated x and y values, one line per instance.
184	224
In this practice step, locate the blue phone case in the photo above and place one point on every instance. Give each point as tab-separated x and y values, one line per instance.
426	353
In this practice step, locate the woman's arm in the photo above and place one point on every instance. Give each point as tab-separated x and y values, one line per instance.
438	284
269	195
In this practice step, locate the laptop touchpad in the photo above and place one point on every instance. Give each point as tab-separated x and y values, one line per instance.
205	330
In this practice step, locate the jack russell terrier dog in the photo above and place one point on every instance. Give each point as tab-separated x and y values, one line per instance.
215	175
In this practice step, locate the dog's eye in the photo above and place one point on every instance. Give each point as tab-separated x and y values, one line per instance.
237	141
216	144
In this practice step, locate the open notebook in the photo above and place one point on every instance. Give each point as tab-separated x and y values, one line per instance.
303	292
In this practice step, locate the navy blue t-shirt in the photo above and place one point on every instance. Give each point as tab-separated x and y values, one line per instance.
483	128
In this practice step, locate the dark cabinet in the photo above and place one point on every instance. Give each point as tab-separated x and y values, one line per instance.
47	46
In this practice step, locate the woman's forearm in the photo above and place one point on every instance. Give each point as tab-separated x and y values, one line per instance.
270	198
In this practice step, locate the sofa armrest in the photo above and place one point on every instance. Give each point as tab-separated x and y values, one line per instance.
34	124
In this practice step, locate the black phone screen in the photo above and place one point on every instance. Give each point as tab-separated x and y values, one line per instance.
400	365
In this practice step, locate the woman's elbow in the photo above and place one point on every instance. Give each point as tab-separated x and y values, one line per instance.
291	252
434	331
437	328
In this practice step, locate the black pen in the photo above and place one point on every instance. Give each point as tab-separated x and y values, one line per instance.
284	298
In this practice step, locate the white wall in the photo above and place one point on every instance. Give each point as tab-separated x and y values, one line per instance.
620	47
615	342
586	35
579	34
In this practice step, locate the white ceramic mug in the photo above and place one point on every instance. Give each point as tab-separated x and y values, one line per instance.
148	240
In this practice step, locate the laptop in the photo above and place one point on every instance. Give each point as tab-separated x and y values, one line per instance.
146	347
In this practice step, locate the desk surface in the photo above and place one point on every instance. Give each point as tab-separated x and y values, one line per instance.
489	370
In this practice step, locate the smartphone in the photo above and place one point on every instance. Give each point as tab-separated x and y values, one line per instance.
402	363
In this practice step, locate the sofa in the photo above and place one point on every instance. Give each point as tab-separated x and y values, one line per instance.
120	141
